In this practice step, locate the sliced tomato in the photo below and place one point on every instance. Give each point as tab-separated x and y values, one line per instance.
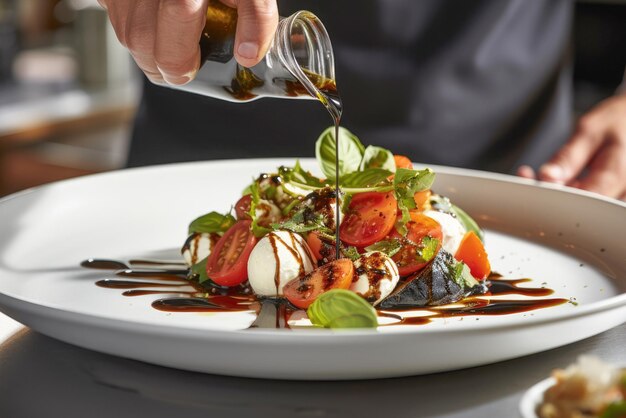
370	217
303	291
315	244
228	262
472	252
402	161
323	251
420	226
242	207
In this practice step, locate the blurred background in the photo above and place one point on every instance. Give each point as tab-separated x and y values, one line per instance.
68	90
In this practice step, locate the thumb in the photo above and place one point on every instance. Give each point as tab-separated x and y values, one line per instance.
256	24
568	162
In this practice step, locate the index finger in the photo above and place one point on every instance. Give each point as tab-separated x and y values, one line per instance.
176	48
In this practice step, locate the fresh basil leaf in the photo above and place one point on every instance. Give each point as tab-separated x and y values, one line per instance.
429	248
369	178
350	152
299	175
389	247
198	271
351	252
443	204
377	157
340	308
406	183
257	229
354	320
212	222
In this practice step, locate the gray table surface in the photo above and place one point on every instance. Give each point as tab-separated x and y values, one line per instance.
42	377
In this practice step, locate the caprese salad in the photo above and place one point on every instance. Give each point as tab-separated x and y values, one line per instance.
400	244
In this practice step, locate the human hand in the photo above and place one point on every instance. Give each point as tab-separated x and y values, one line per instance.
594	158
163	35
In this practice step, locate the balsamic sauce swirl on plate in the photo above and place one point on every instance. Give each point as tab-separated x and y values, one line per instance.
182	295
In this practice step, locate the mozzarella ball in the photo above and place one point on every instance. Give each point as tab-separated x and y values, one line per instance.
376	276
278	258
267	213
197	247
453	230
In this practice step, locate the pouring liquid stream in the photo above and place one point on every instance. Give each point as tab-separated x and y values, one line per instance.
328	95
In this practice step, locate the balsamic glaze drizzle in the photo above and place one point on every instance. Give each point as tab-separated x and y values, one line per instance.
189	296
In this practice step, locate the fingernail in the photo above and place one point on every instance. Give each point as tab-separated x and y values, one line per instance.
553	171
175	80
248	50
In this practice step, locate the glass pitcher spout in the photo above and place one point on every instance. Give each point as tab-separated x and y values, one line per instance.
298	65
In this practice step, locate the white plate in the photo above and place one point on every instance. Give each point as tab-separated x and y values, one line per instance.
533	397
572	242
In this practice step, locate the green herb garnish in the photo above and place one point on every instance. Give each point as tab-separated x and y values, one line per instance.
350	149
389	247
304	220
257	229
429	248
406	183
371	177
198	271
462	275
212	222
377	157
299	175
351	252
339	308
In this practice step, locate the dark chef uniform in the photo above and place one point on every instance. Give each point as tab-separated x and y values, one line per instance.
479	84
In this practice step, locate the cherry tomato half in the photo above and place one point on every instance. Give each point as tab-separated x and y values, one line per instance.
242	207
420	226
370	217
302	291
228	262
324	251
